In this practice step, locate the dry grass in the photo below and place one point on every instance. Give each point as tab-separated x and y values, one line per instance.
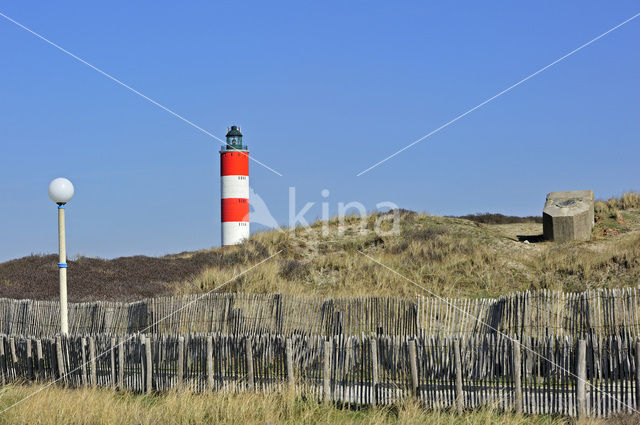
628	201
94	406
450	256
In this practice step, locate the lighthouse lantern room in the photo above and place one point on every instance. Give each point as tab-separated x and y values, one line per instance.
234	179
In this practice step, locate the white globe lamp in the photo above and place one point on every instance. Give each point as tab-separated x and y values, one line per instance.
61	190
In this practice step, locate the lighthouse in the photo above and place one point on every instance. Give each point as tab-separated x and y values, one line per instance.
234	189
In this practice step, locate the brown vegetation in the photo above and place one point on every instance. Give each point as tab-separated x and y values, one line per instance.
449	256
495	218
125	278
55	405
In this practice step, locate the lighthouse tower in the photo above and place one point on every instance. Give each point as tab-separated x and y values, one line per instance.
234	179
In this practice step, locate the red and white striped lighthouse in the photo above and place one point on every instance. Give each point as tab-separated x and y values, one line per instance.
234	179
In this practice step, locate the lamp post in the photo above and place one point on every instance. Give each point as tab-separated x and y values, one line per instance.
61	192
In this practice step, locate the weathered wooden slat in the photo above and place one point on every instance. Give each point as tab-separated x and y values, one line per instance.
209	360
180	366
581	379
40	360
92	361
112	359
251	385
291	380
3	361
59	358
413	364
373	343
637	375
29	360
326	376
148	384
459	373
121	364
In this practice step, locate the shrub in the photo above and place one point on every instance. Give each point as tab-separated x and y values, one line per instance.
294	270
495	218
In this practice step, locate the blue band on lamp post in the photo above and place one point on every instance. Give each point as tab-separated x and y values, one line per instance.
61	206
62	265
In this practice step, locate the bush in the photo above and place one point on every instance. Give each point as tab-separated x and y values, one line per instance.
495	218
294	270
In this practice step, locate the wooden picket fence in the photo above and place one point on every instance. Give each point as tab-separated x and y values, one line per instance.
535	314
561	375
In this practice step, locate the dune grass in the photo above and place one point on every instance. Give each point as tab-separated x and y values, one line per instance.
450	256
628	201
100	406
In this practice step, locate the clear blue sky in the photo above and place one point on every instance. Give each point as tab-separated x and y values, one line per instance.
322	90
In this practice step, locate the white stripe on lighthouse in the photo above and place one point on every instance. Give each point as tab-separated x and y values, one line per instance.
234	232
234	187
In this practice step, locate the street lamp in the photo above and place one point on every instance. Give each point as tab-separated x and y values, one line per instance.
61	192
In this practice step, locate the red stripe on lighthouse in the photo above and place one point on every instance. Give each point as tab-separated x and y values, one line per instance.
234	163
235	209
